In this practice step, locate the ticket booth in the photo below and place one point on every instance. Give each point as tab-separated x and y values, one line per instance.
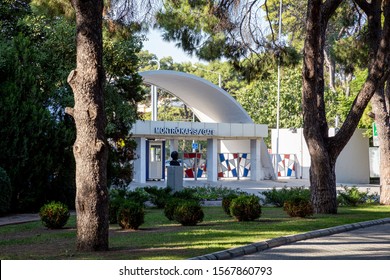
155	160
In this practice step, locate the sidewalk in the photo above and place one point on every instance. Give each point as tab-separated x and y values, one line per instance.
18	219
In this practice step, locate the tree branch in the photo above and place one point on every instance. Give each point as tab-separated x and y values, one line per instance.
364	5
378	73
329	8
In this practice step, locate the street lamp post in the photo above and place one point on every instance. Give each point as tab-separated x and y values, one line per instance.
278	93
153	94
219	75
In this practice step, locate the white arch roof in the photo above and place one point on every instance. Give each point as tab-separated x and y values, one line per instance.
209	102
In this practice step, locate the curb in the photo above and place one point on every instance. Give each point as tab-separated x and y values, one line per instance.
279	241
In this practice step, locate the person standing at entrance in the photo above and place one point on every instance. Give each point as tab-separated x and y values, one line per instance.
174	161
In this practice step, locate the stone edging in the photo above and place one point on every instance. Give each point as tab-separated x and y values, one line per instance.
275	242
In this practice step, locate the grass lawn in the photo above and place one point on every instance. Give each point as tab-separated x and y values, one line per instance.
159	238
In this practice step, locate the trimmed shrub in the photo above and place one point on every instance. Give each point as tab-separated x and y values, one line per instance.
245	208
119	196
170	207
5	192
130	215
54	215
226	200
214	193
298	206
279	197
188	213
159	196
186	193
351	197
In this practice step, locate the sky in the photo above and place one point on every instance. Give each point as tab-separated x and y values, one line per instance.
160	48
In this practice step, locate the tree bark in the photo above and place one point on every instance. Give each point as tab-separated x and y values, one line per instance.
383	127
90	148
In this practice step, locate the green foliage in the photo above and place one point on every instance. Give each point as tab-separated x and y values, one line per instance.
37	147
214	192
260	96
180	20
37	52
11	11
5	192
54	215
245	208
158	196
226	201
131	215
170	207
122	93
186	194
298	206
353	197
278	197
119	196
188	213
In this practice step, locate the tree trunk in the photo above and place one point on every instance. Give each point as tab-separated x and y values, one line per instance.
90	147
322	169
383	127
323	182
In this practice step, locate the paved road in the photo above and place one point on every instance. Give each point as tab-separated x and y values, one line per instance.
368	240
371	243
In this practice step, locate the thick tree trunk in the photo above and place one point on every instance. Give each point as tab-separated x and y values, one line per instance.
323	182
322	169
90	147
383	126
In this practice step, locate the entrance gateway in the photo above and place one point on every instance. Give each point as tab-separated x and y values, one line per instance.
225	125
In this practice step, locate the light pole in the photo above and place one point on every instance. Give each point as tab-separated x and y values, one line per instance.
219	75
153	94
278	93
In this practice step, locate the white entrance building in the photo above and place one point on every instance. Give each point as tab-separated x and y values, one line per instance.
223	123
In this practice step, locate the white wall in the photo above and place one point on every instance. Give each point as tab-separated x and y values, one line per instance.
235	146
352	166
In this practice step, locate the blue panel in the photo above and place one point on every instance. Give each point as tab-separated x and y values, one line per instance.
147	158
221	158
234	172
246	171
163	160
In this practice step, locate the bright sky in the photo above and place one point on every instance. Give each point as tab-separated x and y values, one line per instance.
160	48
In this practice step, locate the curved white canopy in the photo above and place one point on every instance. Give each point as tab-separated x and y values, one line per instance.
209	102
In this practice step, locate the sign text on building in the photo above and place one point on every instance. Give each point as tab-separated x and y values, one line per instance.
183	131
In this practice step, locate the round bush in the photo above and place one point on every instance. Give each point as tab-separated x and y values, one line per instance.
54	215
245	208
130	215
5	192
298	207
188	213
226	200
170	207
